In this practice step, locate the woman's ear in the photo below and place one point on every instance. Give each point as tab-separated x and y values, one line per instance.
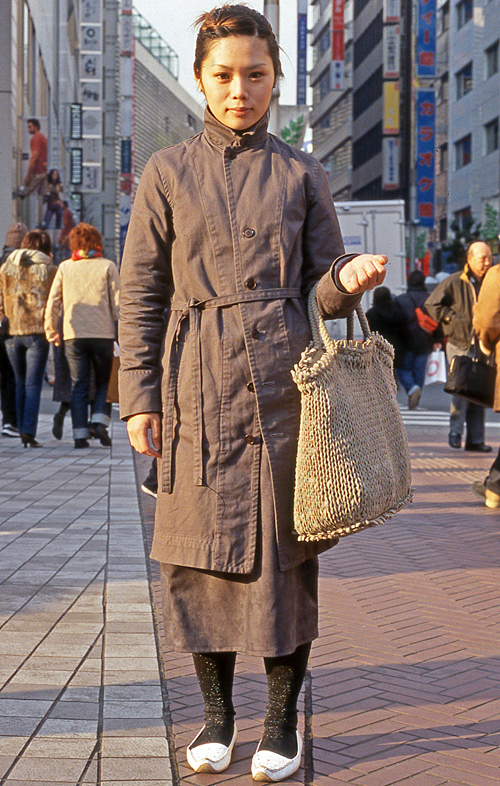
198	81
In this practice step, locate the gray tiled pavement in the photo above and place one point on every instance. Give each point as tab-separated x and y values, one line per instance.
81	699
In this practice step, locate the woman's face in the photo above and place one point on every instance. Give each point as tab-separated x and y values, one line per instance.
237	78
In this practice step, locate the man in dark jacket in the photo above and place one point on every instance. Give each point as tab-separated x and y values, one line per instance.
420	342
451	304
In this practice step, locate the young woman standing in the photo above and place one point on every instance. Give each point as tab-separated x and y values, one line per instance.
229	231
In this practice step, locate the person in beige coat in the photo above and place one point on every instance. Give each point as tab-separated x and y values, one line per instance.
25	280
486	323
230	230
87	289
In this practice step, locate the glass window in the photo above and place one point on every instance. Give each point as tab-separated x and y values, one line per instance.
491	136
444	18
464	12
464	80
443	87
443	158
463	151
491	60
324	84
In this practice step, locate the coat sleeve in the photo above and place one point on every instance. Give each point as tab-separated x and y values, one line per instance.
440	302
145	292
323	252
486	319
54	305
114	291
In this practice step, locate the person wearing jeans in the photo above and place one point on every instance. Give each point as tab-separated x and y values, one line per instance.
25	280
87	289
28	356
81	354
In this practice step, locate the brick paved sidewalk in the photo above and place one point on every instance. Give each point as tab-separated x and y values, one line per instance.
404	679
404	686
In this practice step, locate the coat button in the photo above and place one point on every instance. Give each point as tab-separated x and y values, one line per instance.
231	154
254	333
250	439
250	283
249	232
250	387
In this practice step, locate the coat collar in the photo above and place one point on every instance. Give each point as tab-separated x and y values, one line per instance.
222	136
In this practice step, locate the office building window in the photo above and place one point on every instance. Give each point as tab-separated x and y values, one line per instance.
463	151
464	12
443	158
464	80
368	40
443	229
491	55
359	5
367	146
367	93
491	136
444	18
463	217
325	121
324	84
444	87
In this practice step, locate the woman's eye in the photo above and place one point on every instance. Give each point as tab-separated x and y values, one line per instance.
222	76
256	75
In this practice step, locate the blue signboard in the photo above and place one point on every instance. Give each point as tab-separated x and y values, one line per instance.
426	39
426	148
301	58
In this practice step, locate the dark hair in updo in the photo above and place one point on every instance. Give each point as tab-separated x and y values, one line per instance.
232	20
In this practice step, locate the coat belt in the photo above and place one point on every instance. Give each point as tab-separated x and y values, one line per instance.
191	310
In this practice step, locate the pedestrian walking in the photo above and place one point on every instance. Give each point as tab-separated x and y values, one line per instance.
486	322
36	176
387	318
25	279
451	305
423	335
86	288
53	200
13	239
231	229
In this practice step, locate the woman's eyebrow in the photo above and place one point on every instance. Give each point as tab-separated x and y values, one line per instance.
229	68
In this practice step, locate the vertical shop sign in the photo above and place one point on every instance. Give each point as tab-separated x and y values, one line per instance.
91	45
390	163
302	52
337	71
392	11
425	165
391	108
126	118
391	52
426	39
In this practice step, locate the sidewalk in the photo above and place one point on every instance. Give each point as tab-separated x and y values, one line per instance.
404	683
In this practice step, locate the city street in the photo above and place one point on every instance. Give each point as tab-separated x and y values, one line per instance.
404	681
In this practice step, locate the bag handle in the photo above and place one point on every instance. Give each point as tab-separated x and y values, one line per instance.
321	336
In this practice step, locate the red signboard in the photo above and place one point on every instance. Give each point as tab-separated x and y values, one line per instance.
338	30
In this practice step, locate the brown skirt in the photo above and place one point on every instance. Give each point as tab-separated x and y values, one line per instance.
266	613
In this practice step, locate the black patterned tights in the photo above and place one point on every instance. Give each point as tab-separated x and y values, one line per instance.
285	675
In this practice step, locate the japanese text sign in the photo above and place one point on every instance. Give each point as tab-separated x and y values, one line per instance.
426	39
425	165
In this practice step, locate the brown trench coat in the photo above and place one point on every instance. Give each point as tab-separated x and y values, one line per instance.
241	225
486	321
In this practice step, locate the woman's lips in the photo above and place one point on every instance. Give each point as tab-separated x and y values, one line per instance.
239	110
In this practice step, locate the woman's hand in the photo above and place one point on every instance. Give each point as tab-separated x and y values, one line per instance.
364	272
55	339
139	426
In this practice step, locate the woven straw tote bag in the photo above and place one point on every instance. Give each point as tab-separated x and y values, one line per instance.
353	460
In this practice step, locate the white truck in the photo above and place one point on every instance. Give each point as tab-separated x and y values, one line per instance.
377	228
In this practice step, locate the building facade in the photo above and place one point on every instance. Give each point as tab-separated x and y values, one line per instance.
331	115
362	122
473	113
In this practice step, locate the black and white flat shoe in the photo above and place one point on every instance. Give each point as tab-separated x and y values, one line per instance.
269	766
211	756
